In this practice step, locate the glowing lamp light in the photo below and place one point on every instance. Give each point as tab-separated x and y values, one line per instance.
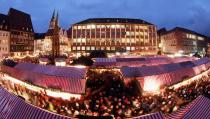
62	95
80	66
151	86
117	53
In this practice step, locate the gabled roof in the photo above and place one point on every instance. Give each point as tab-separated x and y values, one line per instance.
114	20
185	30
4	22
20	20
39	36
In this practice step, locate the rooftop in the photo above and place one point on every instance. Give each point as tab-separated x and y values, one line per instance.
20	20
114	20
184	30
4	22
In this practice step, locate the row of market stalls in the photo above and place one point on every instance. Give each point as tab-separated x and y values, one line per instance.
166	74
13	107
67	79
138	61
72	80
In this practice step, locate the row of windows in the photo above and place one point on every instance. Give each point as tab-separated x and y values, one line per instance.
117	26
22	37
21	48
4	34
3	41
5	27
88	48
4	49
191	36
123	40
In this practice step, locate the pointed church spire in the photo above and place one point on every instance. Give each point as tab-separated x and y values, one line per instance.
53	16
57	19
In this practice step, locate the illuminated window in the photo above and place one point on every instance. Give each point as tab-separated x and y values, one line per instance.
75	27
108	26
128	48
79	40
128	40
123	40
78	48
112	48
74	48
128	33
83	47
102	48
132	40
88	26
92	48
79	27
88	48
108	48
132	48
113	26
83	27
83	40
117	26
200	38
93	26
102	26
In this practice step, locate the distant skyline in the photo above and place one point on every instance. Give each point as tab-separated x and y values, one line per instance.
191	14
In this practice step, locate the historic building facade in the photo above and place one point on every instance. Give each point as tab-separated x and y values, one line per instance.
4	36
17	35
184	41
113	35
21	33
54	42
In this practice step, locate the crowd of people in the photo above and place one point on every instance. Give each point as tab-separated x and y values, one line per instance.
111	98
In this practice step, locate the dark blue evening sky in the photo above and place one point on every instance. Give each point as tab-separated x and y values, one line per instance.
192	14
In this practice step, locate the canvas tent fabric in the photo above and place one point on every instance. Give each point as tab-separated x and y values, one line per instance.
138	61
70	79
68	72
198	109
157	115
166	74
12	107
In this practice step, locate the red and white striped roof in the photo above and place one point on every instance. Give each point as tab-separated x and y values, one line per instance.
71	81
138	61
67	72
198	109
12	107
157	115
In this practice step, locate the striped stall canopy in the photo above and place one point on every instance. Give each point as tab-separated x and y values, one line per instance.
7	103
201	61
68	72
67	79
138	61
166	74
198	109
157	115
12	107
104	62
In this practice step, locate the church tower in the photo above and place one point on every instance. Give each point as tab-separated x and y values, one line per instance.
53	34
